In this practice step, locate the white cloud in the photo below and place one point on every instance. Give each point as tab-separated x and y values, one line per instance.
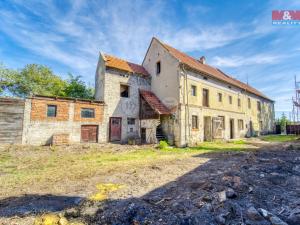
237	61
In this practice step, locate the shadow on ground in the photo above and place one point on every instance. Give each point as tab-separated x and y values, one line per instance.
36	204
224	190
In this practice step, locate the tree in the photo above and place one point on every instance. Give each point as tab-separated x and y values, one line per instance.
33	79
36	79
76	88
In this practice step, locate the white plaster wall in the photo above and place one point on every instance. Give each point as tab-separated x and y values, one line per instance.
164	85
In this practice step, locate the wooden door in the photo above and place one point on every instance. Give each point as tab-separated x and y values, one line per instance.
231	128
89	133
115	128
207	128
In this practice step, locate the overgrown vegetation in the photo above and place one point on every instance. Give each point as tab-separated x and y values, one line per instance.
42	166
280	138
36	79
163	144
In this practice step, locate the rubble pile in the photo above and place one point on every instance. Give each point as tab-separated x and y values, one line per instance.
259	187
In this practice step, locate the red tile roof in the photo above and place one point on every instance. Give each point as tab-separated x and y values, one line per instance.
154	102
210	71
117	63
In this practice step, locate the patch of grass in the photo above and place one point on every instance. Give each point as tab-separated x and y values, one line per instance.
223	146
279	138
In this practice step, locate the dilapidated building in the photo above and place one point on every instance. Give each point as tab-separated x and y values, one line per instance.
170	96
179	98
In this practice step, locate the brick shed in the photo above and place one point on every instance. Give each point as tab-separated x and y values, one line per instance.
56	120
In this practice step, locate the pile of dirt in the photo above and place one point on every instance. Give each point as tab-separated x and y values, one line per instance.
260	187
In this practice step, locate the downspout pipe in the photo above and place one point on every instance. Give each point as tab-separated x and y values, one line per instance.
187	110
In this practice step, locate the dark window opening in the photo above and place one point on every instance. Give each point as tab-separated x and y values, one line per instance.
194	90
87	113
205	98
124	91
158	68
249	103
239	102
258	106
131	121
230	99
51	110
220	97
194	122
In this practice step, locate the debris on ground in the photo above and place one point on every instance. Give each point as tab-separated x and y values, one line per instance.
228	189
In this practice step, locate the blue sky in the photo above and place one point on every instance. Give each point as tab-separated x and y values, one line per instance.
235	36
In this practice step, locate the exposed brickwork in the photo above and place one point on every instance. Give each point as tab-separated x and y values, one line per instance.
60	139
98	112
39	110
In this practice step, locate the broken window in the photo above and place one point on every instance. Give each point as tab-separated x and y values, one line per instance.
124	91
258	106
51	110
241	124
194	90
194	122
158	68
205	98
230	99
220	97
131	121
87	113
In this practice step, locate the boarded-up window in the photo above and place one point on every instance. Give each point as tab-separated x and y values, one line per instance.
230	99
51	110
220	97
195	122
205	96
249	103
194	90
222	118
258	106
124	91
241	124
239	102
87	113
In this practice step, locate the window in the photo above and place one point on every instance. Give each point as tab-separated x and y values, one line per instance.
249	103
131	121
205	98
241	124
258	106
194	122
230	99
194	90
220	97
87	113
51	110
239	102
158	68
124	91
222	118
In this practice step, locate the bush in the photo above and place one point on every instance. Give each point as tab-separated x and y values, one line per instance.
163	144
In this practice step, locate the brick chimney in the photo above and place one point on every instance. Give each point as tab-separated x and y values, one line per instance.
202	59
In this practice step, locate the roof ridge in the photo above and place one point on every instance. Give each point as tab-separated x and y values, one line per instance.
210	70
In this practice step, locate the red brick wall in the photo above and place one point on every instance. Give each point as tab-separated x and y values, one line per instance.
39	110
98	112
